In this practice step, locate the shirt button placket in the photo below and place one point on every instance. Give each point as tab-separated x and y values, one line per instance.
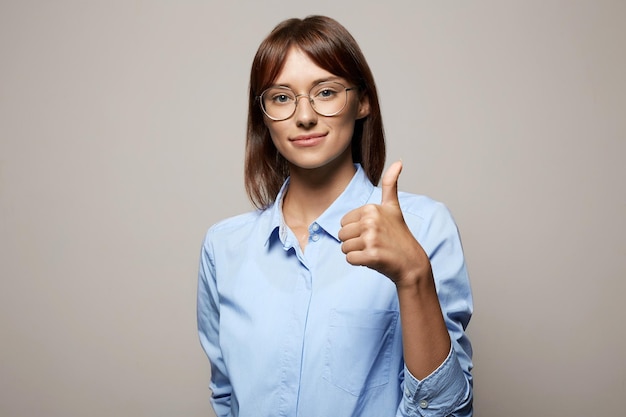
313	232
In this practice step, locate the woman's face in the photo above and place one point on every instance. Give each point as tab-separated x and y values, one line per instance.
308	140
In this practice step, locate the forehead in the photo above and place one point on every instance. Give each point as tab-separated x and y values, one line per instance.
301	71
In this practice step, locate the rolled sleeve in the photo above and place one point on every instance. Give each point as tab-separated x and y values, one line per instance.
444	392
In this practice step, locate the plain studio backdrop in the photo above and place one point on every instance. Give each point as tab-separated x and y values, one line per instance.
122	129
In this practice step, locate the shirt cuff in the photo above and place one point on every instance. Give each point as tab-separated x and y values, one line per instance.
440	392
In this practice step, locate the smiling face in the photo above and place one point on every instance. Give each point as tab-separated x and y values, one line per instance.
308	140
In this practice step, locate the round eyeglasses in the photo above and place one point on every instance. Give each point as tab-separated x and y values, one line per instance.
327	98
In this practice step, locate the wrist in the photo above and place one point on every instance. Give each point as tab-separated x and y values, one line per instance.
416	277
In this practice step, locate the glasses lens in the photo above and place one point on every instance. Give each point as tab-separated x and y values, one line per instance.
278	102
329	98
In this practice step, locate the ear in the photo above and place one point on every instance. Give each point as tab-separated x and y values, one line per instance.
364	107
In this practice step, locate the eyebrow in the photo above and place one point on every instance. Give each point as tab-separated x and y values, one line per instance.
314	82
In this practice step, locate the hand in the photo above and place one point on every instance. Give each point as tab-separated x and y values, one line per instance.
377	236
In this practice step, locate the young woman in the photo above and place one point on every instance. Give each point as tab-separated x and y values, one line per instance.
336	297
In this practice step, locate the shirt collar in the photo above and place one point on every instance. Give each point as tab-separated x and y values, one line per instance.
356	194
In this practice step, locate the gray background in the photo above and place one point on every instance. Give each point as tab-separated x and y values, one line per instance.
121	140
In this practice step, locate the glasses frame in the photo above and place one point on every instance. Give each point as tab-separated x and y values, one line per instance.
311	100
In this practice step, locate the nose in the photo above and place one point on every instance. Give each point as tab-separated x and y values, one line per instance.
305	114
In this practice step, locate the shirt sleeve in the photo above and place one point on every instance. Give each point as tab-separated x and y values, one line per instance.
448	390
445	392
208	312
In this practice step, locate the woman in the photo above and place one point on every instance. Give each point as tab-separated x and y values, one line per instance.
335	298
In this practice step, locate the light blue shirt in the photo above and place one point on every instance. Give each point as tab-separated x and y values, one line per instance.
309	335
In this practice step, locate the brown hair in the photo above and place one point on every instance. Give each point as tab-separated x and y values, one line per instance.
331	47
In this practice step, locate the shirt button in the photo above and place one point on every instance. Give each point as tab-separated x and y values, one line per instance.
315	227
315	237
407	392
423	404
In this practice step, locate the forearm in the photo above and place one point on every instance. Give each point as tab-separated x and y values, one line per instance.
425	338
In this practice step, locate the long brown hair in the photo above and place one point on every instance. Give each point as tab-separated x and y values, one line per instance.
331	47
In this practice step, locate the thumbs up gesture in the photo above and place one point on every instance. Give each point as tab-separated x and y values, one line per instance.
377	236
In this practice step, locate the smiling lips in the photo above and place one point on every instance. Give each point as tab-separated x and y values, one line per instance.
308	140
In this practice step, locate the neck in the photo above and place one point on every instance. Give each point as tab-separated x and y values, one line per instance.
312	191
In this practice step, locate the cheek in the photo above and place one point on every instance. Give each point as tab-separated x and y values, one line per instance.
347	122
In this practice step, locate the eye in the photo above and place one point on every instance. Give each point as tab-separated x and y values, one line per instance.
326	93
280	98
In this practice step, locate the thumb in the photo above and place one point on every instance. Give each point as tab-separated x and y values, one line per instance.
390	184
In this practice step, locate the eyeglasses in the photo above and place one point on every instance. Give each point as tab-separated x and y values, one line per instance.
327	98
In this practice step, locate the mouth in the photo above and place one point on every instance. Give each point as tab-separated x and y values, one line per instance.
308	140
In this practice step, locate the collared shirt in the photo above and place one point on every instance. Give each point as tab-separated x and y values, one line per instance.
293	333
